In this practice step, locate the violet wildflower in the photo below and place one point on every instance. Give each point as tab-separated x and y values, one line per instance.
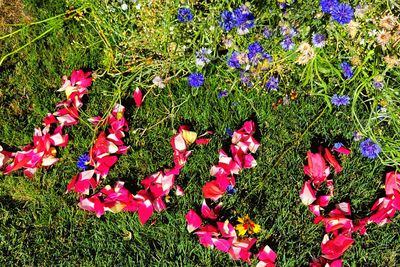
202	57
357	136
347	72
267	32
83	162
327	5
342	13
245	78
287	44
222	94
272	84
184	14
318	40
340	100
369	149
196	79
233	60
377	84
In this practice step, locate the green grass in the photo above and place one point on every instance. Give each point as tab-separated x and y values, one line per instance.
41	225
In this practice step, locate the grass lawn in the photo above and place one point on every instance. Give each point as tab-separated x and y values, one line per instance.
41	225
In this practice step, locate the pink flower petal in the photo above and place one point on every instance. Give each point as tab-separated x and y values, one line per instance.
137	96
193	221
307	193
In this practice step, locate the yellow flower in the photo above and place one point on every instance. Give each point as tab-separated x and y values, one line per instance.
247	225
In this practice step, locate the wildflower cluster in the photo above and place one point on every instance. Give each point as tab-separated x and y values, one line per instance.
241	18
342	13
42	151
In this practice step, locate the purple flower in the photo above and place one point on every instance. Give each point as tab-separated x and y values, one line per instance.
226	20
267	56
244	19
287	44
369	149
233	61
83	162
327	5
222	94
357	136
267	32
340	100
342	13
318	40
347	72
184	15
196	79
230	190
229	132
202	57
254	49
377	84
245	78
272	83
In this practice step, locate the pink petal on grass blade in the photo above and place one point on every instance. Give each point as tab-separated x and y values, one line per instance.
307	194
145	211
193	221
138	97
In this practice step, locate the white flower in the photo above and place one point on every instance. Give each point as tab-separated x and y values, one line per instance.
158	81
124	7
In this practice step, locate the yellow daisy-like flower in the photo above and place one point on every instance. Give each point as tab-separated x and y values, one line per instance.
247	225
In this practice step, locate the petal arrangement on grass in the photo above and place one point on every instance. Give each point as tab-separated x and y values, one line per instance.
338	223
103	154
156	186
42	151
222	234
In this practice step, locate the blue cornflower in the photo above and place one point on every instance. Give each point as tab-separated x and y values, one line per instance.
196	79
342	13
83	162
229	132
340	100
230	190
287	44
328	5
369	149
184	14
254	49
233	60
222	94
272	83
244	19
318	40
347	72
267	32
226	20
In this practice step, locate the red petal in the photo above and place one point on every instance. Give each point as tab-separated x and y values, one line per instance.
193	221
137	96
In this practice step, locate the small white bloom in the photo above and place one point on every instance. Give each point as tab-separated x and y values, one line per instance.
158	81
124	7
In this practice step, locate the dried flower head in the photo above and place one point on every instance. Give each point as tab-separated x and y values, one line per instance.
383	37
353	28
392	61
307	53
355	61
388	22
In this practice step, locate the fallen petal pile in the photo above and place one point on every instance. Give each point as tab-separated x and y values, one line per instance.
222	235
42	151
156	186
338	223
